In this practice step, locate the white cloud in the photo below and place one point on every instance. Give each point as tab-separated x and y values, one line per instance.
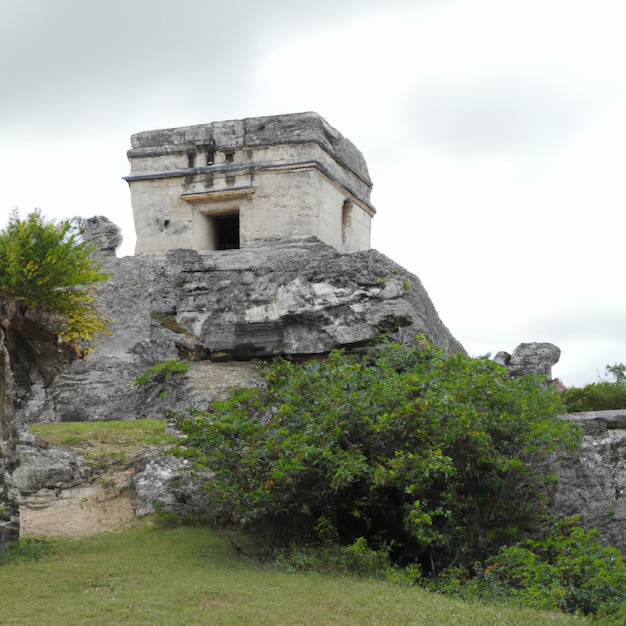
493	131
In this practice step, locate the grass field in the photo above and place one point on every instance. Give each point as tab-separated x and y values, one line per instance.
150	575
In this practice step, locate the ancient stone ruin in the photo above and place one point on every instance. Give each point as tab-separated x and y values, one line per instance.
253	240
230	184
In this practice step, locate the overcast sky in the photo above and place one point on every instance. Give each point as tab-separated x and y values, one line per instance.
494	133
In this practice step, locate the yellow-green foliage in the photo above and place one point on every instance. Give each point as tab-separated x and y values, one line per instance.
44	267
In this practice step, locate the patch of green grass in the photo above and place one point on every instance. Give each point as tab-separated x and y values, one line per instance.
166	368
107	441
196	576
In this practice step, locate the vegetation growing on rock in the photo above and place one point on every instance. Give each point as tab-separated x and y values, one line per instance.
45	269
100	441
162	371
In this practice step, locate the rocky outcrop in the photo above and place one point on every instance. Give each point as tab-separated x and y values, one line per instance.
592	481
530	358
60	492
219	310
9	513
168	483
100	233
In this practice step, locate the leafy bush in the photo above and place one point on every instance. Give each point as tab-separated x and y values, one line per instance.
357	558
567	569
25	551
44	267
598	396
431	455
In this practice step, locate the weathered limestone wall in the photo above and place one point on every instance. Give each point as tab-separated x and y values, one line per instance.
592	481
60	492
288	177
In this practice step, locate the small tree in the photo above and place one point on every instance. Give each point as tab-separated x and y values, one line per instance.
616	373
435	457
43	268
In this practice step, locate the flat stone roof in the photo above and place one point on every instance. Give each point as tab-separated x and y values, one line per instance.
274	130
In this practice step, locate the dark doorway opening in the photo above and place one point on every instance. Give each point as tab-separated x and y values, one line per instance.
226	231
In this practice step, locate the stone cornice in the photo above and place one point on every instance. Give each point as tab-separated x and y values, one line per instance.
250	168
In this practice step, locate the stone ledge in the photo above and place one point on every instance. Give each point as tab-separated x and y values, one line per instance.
596	422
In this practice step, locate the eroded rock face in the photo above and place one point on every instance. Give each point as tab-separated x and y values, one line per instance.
9	512
59	492
100	233
530	358
171	484
218	310
592	481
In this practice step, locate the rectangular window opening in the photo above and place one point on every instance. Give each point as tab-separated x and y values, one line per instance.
226	229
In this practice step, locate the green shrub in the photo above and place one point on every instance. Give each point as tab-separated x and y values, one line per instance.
356	558
162	370
598	396
431	455
25	551
567	569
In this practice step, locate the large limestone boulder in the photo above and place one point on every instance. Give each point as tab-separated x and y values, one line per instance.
169	483
530	358
218	310
100	233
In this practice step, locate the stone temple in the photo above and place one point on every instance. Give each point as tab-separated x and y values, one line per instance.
235	183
